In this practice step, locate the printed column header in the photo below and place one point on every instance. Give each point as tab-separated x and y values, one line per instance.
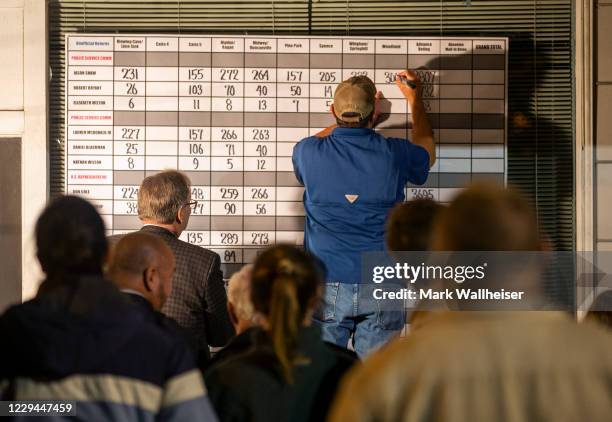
424	47
489	47
260	45
130	44
90	43
358	46
195	45
391	47
228	45
456	47
325	46
162	44
298	45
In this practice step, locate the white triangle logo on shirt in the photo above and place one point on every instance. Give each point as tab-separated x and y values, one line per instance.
351	198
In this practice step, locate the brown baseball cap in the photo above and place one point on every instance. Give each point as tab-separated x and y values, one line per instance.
354	99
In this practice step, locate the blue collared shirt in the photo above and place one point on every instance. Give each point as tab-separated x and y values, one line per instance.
352	179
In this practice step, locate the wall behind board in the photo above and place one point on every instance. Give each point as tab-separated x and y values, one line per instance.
603	133
603	86
23	141
10	221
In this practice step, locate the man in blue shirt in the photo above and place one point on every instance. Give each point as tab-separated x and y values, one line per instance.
353	176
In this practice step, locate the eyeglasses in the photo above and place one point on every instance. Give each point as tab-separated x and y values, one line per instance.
191	204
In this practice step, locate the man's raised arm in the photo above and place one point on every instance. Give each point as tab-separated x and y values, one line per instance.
422	134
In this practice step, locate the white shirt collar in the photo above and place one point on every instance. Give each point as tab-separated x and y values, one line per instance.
133	292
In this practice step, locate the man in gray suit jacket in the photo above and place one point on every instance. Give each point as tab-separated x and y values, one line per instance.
198	300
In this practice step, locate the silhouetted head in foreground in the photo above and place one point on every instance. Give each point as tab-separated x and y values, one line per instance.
285	289
495	227
410	225
70	239
488	217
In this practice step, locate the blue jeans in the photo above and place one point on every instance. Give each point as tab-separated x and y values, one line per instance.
350	311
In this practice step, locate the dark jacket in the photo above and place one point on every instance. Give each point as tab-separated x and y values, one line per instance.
198	301
244	341
83	340
250	386
159	318
237	345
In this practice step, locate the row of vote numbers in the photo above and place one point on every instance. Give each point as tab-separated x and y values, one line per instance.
247	200
139	133
214	208
247	193
230	255
272	104
234	238
215	89
238	238
224	148
217	193
203	163
207	74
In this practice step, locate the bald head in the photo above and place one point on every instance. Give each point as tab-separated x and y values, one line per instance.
143	263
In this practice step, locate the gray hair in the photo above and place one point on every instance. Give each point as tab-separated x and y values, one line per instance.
162	195
239	293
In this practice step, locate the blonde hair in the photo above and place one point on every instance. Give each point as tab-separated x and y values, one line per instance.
239	293
285	284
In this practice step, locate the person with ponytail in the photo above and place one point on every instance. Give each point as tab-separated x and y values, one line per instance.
289	373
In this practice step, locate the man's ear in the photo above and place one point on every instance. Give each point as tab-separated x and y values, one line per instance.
148	278
331	108
180	215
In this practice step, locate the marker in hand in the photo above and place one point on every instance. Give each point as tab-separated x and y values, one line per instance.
412	84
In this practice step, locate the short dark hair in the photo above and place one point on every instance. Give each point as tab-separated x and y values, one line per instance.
70	238
410	225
